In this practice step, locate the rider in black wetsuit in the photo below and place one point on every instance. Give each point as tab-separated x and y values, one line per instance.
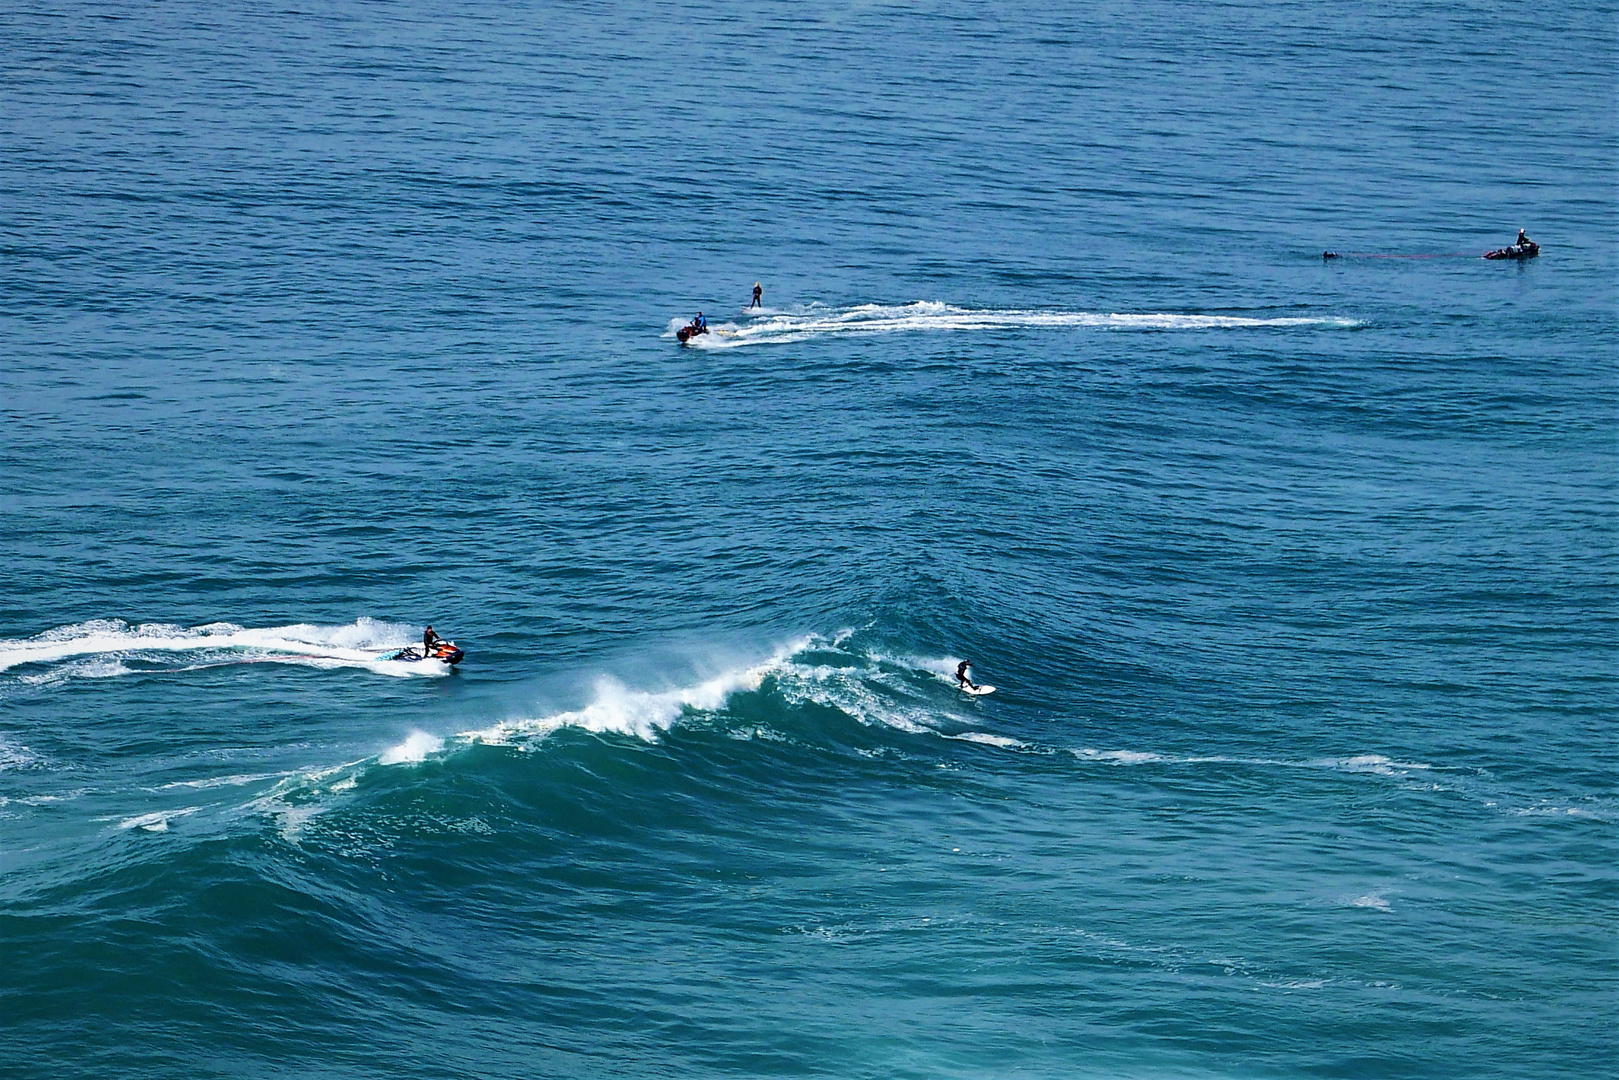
757	292
961	676
429	639
1523	239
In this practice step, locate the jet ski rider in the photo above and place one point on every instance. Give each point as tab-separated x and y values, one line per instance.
1523	239
699	325
429	639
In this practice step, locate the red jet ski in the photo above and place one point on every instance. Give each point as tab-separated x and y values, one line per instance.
691	330
1516	251
444	651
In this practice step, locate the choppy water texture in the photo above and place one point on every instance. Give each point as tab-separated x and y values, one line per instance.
1295	577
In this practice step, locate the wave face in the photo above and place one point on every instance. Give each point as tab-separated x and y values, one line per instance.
1294	576
779	328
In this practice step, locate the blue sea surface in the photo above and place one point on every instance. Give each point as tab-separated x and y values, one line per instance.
1295	576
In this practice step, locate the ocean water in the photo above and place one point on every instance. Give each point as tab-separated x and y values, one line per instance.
1295	577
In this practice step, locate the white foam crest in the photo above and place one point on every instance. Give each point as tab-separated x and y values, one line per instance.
1367	763
50	800
642	713
986	739
413	750
236	780
846	689
1120	757
933	315
1547	809
156	822
298	797
15	755
355	644
1370	900
290	820
942	666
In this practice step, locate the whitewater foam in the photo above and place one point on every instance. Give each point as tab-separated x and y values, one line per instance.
986	739
1377	764
158	821
15	755
932	315
1370	900
413	750
235	780
299	797
641	713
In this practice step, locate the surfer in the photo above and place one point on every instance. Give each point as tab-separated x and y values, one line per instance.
961	676
757	293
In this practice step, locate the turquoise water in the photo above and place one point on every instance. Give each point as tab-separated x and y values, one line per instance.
1294	577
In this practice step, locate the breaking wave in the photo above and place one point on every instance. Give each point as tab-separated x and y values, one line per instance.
781	327
910	694
898	692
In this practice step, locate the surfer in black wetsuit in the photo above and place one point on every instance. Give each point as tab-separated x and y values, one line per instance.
757	293
961	676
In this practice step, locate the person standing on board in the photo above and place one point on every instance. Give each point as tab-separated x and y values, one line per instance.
961	676
757	293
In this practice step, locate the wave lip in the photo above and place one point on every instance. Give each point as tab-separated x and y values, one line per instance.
642	713
933	315
413	751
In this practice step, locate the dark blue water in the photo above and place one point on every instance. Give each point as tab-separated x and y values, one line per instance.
1295	577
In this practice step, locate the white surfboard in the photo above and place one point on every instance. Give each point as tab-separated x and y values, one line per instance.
978	691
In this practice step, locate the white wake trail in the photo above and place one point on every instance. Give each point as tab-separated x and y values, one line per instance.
363	643
931	315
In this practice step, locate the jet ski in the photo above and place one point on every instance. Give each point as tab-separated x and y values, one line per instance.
690	330
443	651
1516	251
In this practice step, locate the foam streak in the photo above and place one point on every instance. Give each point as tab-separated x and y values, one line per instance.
862	319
